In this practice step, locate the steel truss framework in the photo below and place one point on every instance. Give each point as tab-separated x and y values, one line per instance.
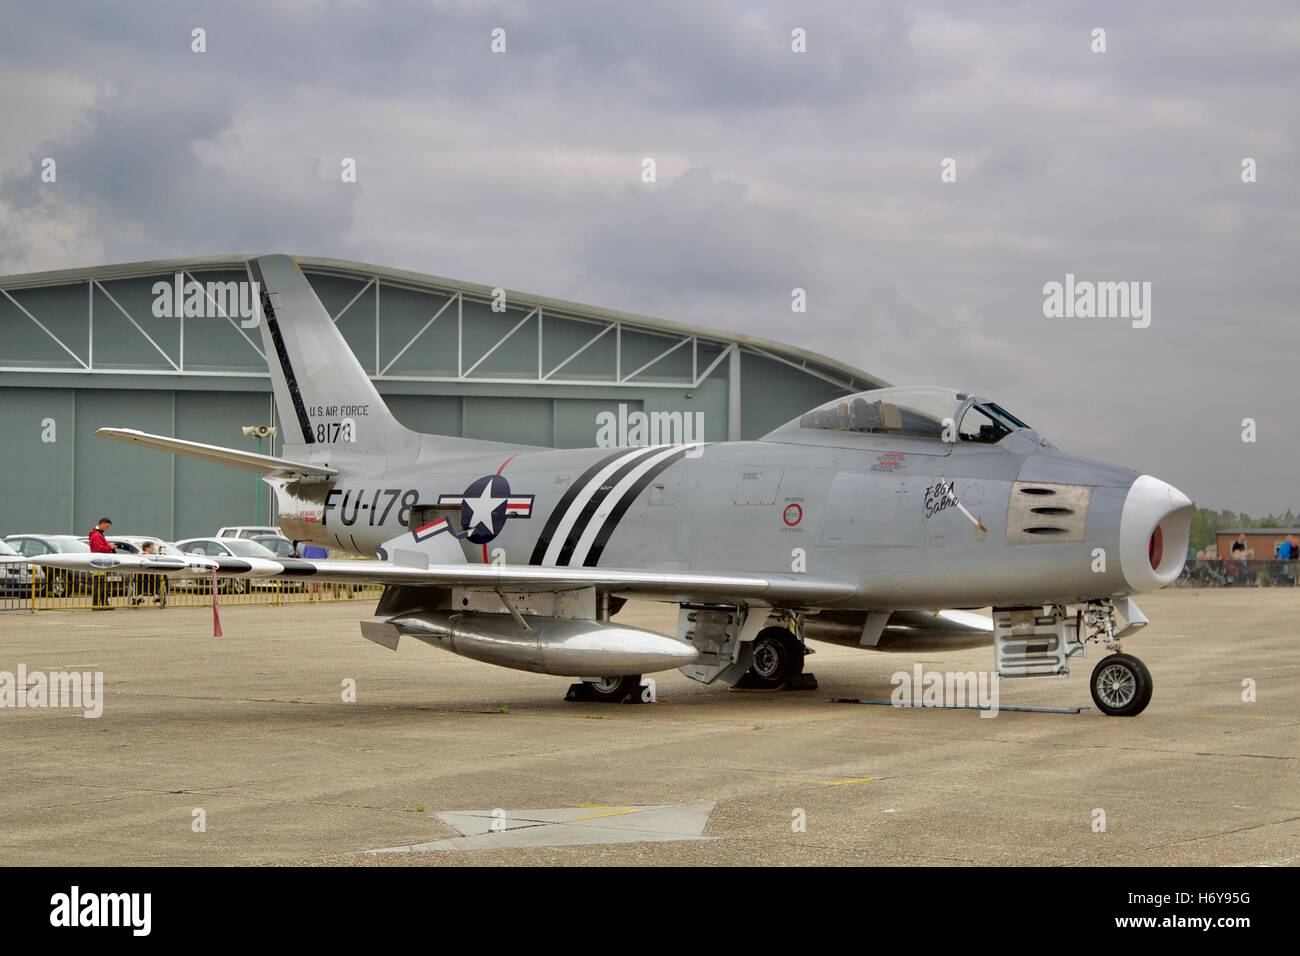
707	351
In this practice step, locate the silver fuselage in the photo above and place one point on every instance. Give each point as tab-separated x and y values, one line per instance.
914	523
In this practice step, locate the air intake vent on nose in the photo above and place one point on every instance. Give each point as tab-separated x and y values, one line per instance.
1068	512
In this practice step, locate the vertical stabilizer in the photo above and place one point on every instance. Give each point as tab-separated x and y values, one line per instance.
323	395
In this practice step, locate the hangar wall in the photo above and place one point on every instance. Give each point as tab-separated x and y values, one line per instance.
83	349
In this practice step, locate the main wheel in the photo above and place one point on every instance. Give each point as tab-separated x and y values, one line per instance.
1121	686
778	656
613	690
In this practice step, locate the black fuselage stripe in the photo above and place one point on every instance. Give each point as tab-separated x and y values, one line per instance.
282	353
615	516
558	513
579	526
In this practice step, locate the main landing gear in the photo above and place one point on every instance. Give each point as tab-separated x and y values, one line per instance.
778	658
607	690
776	661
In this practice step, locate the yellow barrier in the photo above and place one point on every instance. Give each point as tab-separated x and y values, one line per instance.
63	590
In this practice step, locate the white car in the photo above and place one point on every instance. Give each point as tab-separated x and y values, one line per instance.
133	544
277	543
17	578
248	531
34	545
230	548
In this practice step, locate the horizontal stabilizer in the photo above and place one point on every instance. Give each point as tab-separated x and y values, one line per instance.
245	460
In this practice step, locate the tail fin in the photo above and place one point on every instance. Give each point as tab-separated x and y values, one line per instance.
322	394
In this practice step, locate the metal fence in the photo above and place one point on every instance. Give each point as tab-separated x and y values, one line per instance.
1228	573
60	590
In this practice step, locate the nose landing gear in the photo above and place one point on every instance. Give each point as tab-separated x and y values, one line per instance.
1041	641
1120	684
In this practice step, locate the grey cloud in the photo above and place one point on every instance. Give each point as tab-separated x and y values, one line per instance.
776	170
135	169
696	237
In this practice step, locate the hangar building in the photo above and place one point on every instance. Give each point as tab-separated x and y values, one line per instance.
84	348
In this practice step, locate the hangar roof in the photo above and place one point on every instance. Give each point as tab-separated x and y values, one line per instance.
852	378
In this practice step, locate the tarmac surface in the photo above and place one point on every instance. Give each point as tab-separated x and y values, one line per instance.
442	760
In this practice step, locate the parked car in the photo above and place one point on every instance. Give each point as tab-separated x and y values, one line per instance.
248	531
18	578
231	547
278	544
132	544
34	545
281	547
123	582
153	587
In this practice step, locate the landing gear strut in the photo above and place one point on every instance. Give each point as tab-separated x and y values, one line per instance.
1121	684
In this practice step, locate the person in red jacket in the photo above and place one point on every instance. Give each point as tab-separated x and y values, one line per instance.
99	582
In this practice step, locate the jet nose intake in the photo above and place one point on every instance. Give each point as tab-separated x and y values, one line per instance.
1154	529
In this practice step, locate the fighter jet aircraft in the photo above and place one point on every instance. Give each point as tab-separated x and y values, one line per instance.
869	521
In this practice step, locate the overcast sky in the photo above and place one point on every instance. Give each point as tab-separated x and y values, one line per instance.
775	170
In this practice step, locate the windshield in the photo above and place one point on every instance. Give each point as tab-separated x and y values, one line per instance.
246	549
68	546
912	412
921	412
5	549
281	546
988	423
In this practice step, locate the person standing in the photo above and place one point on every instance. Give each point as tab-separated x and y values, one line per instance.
314	552
99	580
149	585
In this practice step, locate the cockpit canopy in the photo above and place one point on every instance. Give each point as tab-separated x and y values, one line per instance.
919	412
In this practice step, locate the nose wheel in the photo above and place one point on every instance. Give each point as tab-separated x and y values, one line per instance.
1121	685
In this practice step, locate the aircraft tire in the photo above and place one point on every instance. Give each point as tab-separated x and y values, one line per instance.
613	690
778	656
1121	686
